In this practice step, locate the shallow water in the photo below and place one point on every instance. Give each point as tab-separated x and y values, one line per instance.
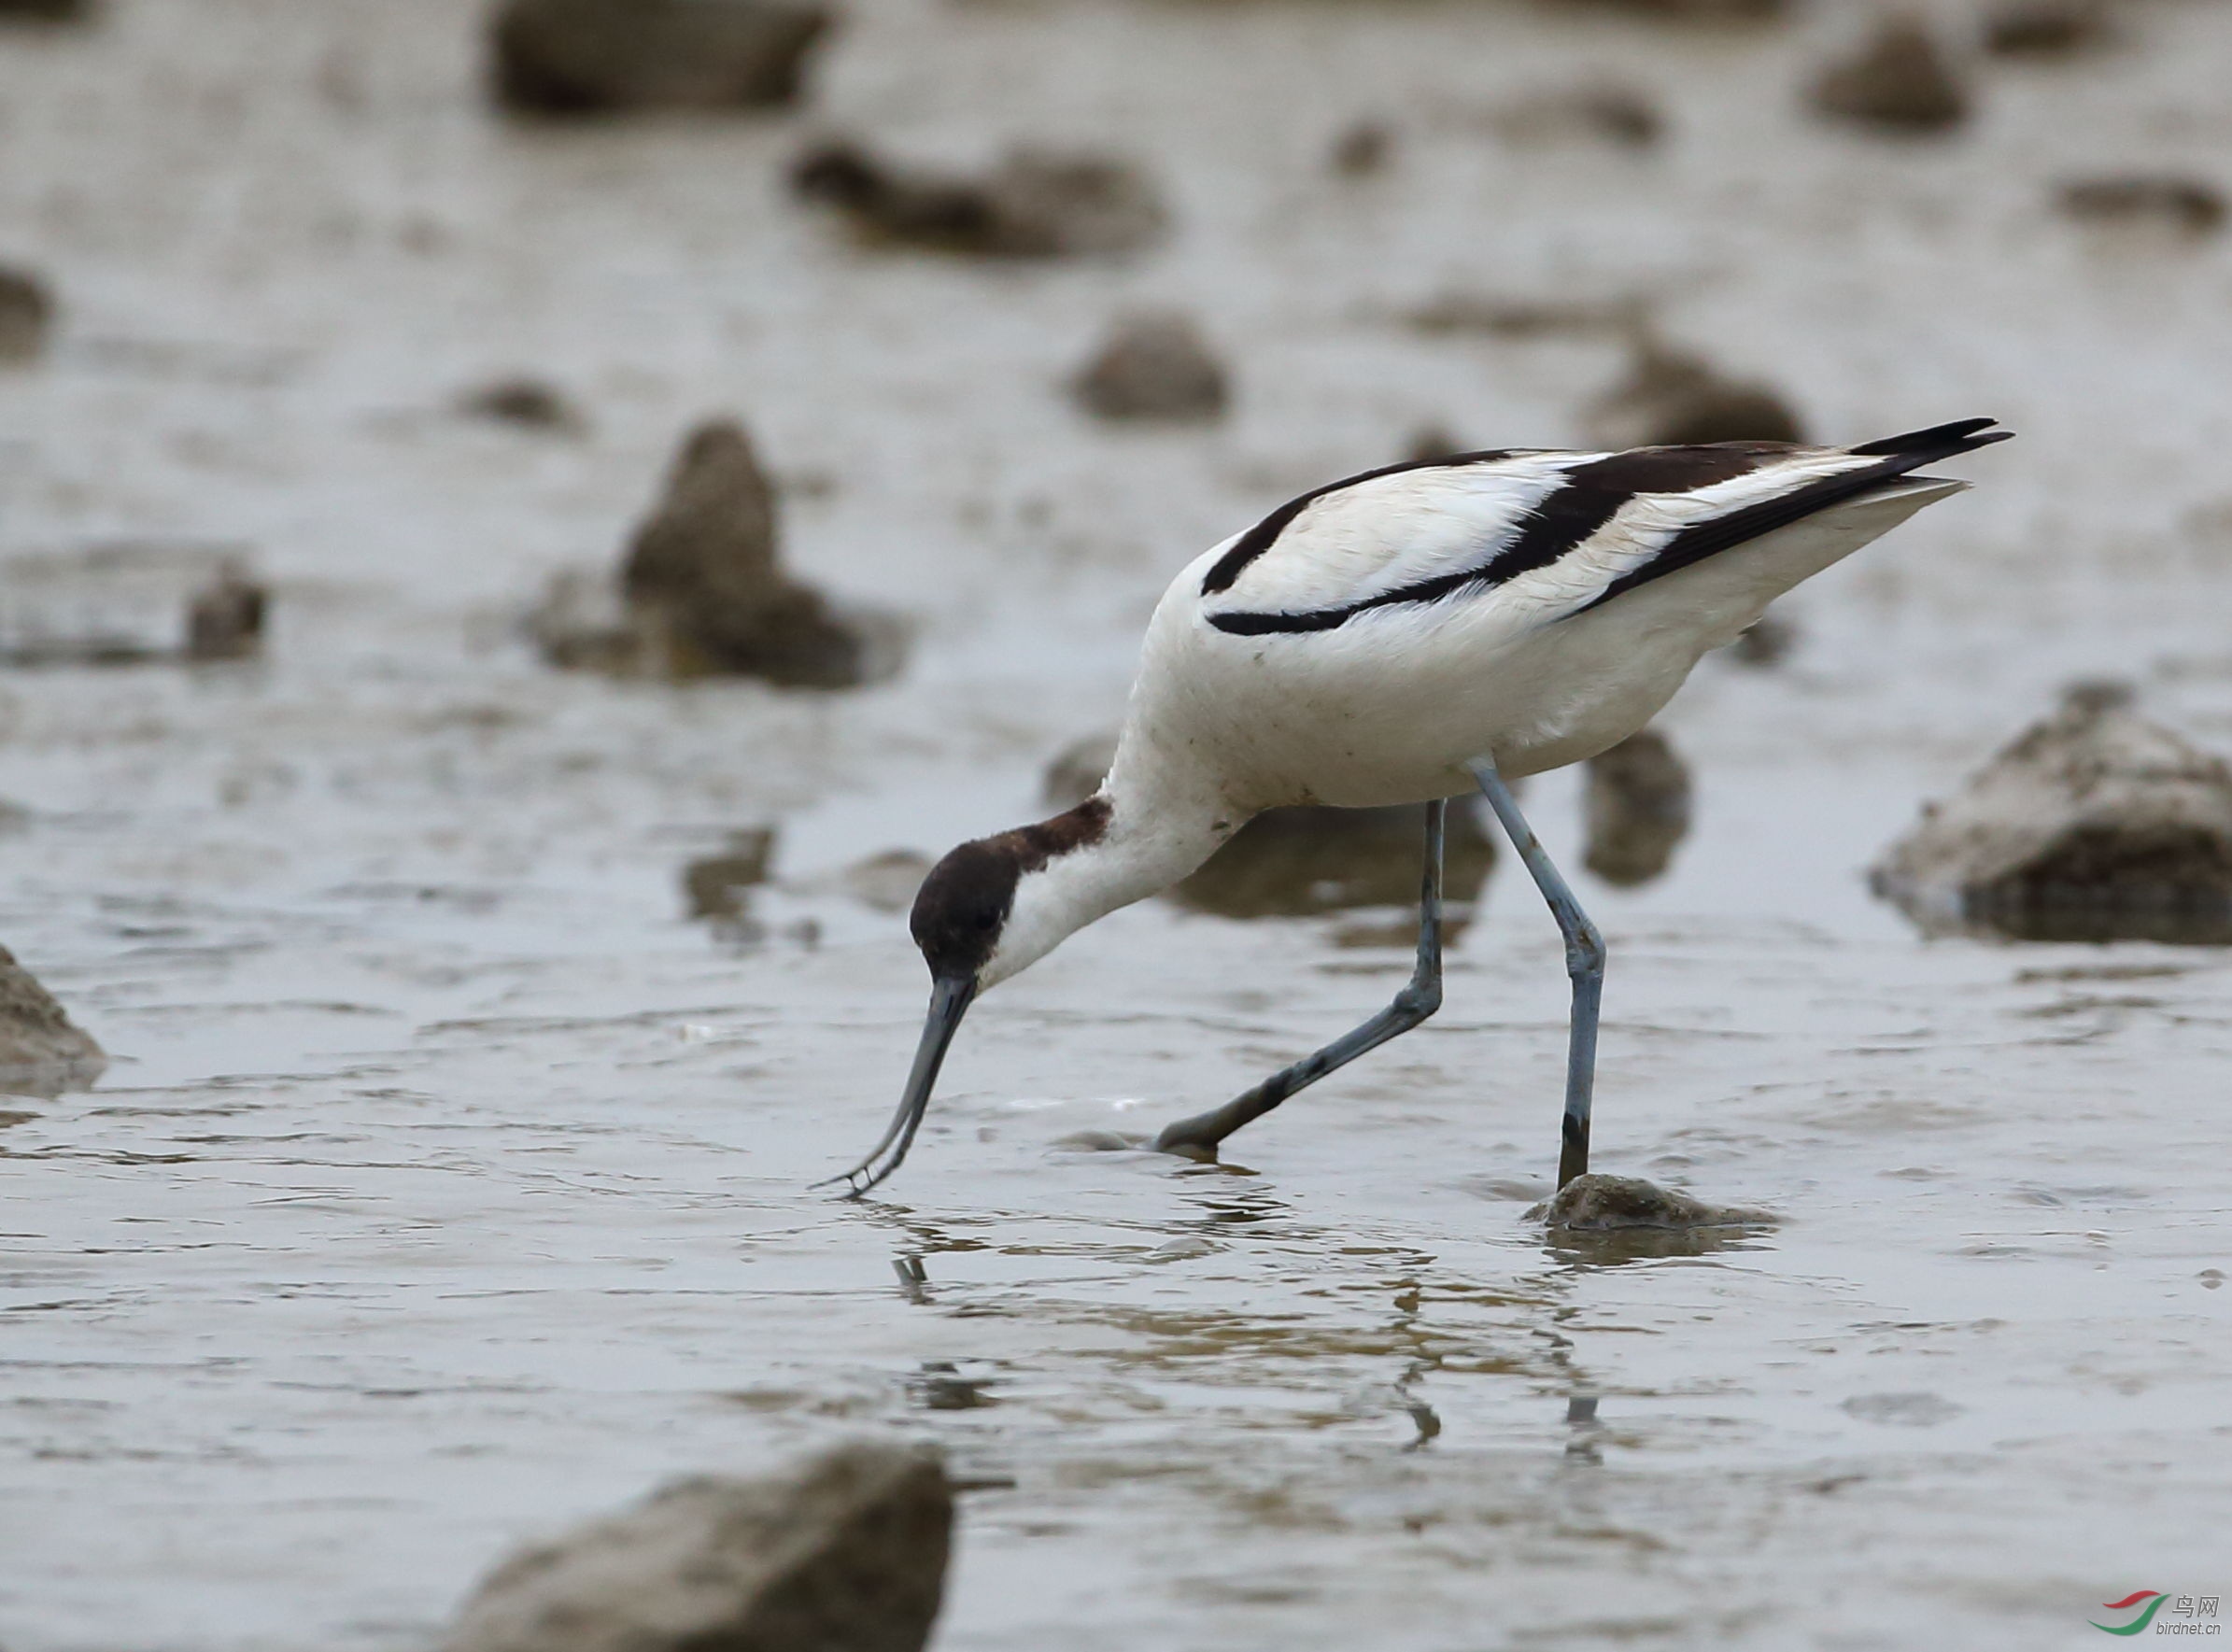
449	1185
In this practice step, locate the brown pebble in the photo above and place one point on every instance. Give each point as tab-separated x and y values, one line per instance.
1898	82
26	314
1363	150
225	619
1152	366
1033	203
2044	28
591	56
2186	205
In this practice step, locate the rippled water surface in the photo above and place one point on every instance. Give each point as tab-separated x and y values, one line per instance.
449	1185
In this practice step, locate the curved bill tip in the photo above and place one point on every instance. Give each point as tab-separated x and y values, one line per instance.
950	998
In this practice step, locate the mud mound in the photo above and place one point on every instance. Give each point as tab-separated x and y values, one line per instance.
594	57
1033	203
2093	824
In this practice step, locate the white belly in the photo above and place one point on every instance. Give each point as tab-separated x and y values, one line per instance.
1389	706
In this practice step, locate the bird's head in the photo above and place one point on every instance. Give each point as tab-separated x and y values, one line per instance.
992	908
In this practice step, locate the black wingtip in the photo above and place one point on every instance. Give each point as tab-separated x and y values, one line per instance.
1963	435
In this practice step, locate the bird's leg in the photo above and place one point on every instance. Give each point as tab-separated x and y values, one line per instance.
1584	963
1198	1136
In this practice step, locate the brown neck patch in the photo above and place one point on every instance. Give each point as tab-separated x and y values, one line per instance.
965	901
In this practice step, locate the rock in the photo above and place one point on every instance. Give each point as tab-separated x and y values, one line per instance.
41	1049
45	11
887	881
1637	808
1767	642
2094	824
705	589
2044	28
1152	366
1604	112
2183	206
716	885
1526	317
26	314
847	1552
225	619
529	402
1033	203
1595	1204
589	57
1362	150
1670	397
1305	861
1898	82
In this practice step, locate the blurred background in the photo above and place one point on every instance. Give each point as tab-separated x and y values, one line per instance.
523	527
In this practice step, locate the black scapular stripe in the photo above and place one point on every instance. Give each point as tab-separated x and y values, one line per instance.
1909	452
1591	495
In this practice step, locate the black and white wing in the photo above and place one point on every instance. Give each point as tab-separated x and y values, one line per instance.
1554	534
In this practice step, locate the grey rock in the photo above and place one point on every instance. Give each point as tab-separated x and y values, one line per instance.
846	1554
1152	366
528	403
716	886
1898	82
41	1049
26	314
2045	28
1033	203
705	588
591	56
1669	396
1636	806
47	11
1609	1204
2094	824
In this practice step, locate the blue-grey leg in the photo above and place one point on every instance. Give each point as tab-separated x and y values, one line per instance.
1198	1136
1584	963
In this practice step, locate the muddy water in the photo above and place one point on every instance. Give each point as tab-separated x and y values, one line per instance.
448	1185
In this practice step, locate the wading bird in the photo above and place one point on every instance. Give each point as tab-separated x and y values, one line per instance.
1404	636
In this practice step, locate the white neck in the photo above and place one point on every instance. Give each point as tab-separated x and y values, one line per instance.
1164	819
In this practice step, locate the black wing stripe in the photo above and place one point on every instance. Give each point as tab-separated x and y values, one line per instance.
1260	538
1592	495
1692	546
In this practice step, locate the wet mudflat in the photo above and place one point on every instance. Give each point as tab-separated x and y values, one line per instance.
448	1183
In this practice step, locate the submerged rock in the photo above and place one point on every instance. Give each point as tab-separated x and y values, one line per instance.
1899	82
1596	1204
2186	205
225	619
2044	28
702	592
1669	396
1362	150
2094	824
26	314
1304	861
1153	365
1032	203
531	403
589	57
715	886
849	1551
41	1049
1637	808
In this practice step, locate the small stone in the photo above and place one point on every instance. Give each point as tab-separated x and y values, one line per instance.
225	619
2044	28
887	881
716	886
1637	808
41	1049
591	56
1363	150
1672	397
1033	203
1526	317
45	11
2189	207
528	402
1610	1204
26	314
848	1551
1898	82
1153	365
2094	824
1605	112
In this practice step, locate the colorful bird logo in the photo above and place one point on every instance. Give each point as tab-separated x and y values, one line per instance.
2154	1597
